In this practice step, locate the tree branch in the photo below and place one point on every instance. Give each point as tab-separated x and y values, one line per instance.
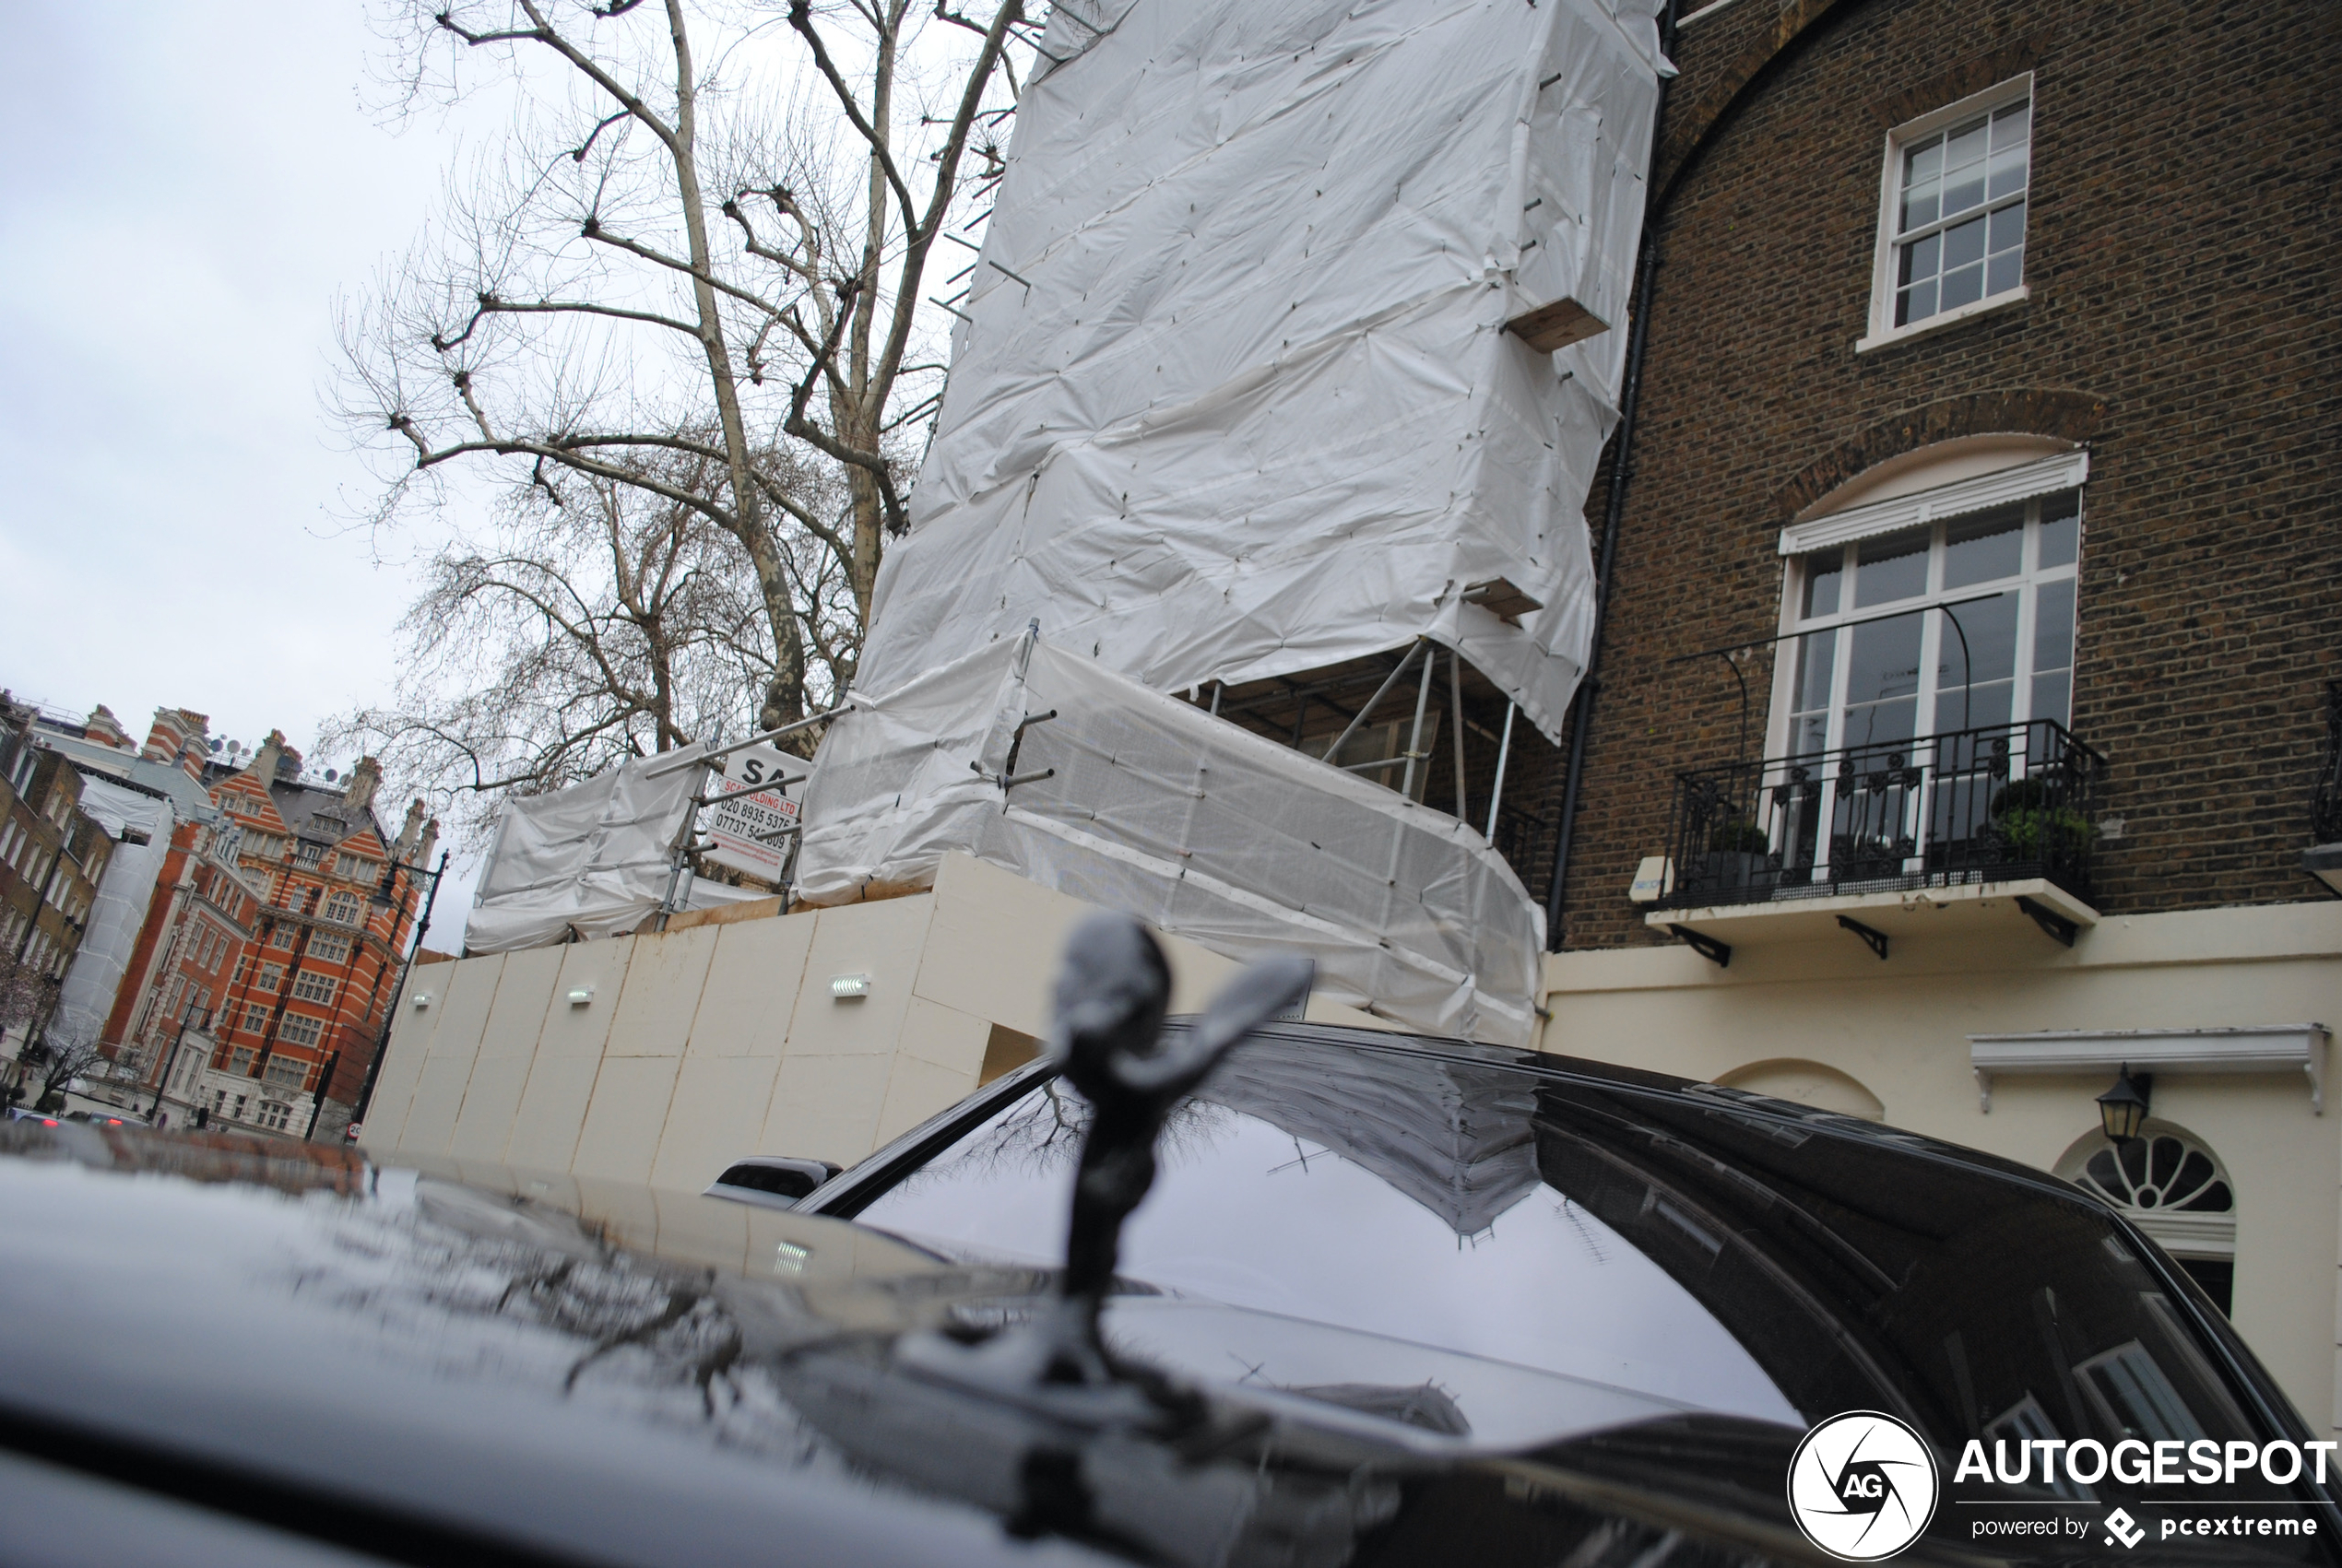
592	229
800	17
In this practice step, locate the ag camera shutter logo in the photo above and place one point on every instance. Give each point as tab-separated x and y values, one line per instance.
1863	1486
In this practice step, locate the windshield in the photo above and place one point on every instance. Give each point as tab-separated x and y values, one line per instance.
1425	1230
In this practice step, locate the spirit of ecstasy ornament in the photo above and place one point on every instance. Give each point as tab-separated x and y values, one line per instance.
1107	1038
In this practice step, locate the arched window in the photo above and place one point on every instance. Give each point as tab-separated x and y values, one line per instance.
2172	1187
1808	1083
1932	593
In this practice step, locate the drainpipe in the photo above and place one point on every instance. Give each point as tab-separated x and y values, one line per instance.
1582	712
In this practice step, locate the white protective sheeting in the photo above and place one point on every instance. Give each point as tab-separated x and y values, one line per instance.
1159	811
120	910
1234	399
597	856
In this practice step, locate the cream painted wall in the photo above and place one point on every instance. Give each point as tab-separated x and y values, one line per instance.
1899	1028
700	1045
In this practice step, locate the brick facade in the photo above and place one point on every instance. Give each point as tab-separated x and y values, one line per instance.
260	978
2178	324
52	855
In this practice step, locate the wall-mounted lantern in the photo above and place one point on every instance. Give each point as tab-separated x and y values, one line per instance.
2122	1110
850	987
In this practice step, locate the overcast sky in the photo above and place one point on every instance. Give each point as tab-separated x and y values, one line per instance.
187	188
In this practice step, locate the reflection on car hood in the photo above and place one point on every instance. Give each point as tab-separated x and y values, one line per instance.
590	1372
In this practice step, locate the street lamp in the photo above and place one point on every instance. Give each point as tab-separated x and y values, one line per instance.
383	898
2122	1110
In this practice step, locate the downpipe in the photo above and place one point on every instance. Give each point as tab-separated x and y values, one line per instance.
1590	684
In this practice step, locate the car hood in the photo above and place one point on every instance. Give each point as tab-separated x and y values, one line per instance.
462	1357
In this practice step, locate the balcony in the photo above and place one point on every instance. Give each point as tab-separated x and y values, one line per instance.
1864	837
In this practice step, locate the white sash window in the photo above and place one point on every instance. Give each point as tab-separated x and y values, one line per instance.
1966	623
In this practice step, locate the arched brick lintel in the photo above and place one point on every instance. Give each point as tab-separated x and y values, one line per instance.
1688	124
2070	416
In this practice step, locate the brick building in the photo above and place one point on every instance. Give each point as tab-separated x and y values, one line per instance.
1961	683
256	990
53	855
303	1008
162	1024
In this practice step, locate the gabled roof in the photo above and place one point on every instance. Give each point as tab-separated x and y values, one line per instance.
318	812
324	813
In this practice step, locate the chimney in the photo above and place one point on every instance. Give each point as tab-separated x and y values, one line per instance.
410	835
266	763
430	841
364	779
287	762
179	735
106	730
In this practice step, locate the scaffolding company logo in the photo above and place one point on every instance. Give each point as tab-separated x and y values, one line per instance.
1863	1486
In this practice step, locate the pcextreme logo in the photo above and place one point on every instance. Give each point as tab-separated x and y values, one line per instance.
1863	1486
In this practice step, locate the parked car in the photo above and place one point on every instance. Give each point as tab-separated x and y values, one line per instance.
107	1118
232	1349
238	1349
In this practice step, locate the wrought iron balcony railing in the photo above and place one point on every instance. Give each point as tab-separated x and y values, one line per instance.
2006	802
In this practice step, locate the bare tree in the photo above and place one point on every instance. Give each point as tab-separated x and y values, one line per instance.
62	1057
609	627
685	300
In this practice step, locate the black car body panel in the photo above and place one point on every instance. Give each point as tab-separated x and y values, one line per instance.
230	1349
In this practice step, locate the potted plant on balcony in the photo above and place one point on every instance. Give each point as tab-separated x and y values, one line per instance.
2033	825
1739	855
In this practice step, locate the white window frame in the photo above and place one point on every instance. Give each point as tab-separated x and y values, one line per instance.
1931	509
1936	642
1882	328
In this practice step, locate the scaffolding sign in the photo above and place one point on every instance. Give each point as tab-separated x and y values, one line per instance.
752	819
